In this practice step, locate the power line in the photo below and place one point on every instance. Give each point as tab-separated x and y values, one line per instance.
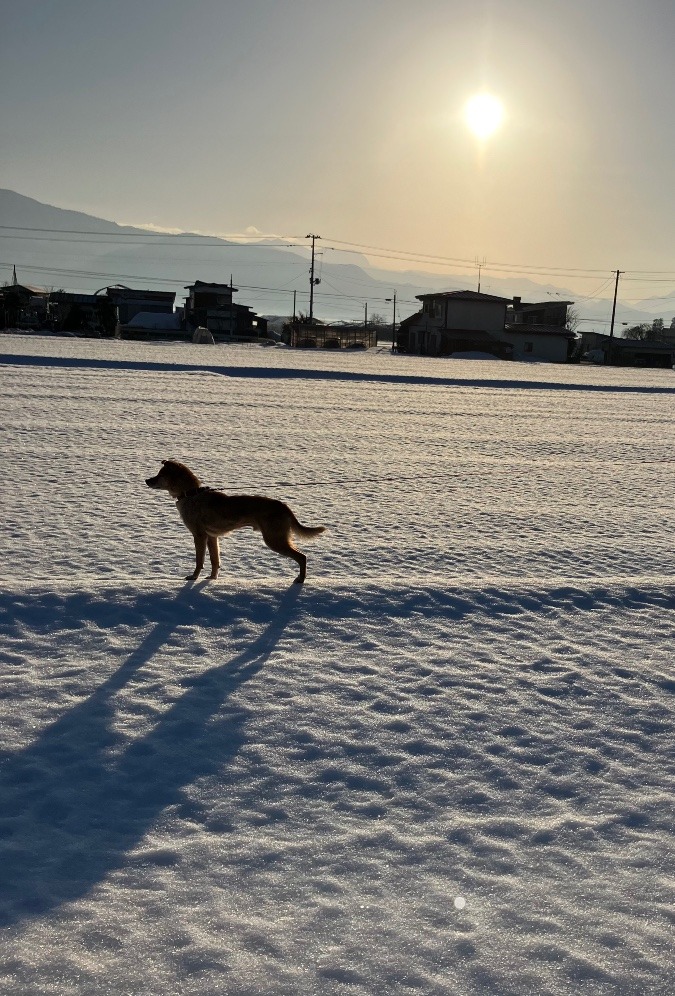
259	288
288	242
85	274
403	253
285	242
598	291
256	239
221	244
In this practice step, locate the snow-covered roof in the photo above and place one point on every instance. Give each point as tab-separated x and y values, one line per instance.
154	320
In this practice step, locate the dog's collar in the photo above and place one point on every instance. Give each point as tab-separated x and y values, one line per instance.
193	491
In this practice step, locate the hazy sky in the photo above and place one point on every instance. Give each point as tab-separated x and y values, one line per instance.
344	118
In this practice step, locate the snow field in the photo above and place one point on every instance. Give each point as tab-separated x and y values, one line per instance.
252	787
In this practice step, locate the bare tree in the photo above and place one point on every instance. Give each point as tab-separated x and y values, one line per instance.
644	330
572	322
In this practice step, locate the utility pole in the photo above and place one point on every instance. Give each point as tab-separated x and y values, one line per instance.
616	289
393	324
611	327
480	264
312	280
365	317
294	293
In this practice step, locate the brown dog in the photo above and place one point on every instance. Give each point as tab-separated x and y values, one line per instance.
209	514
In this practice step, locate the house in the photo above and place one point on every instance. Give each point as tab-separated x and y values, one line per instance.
468	321
128	302
540	342
598	347
210	306
540	331
88	314
553	313
23	306
456	321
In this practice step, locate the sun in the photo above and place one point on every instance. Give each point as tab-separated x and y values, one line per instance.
484	114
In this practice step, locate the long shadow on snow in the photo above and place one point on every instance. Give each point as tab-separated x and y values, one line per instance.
70	809
316	374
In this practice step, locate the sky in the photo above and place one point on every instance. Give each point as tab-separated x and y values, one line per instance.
346	120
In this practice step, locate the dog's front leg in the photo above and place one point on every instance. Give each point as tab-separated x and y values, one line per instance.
214	554
200	551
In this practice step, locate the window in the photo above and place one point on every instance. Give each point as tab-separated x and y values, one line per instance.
433	307
529	347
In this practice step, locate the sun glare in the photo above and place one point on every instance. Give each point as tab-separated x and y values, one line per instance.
484	114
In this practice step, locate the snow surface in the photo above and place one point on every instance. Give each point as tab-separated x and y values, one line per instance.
443	766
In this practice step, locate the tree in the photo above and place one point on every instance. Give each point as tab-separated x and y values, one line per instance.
644	330
572	322
302	318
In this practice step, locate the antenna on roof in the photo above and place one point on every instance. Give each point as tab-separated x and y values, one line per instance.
14	280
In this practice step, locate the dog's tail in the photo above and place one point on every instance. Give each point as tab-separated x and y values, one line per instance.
306	531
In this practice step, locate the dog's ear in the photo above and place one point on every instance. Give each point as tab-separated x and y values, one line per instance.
163	462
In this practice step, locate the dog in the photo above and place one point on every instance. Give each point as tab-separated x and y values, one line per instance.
209	513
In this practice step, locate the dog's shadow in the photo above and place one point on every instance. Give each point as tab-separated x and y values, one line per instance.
72	806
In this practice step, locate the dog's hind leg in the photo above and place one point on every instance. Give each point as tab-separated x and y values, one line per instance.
200	552
279	542
214	555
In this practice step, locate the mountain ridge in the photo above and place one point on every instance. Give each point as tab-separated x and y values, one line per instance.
60	248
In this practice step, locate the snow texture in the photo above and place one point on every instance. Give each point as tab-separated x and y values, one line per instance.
443	766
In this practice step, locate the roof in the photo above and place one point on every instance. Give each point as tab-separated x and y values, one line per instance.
644	344
35	291
465	295
72	297
537	329
205	285
618	340
131	293
523	306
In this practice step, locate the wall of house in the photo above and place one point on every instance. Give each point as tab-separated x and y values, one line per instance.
216	319
487	316
551	348
540	314
211	299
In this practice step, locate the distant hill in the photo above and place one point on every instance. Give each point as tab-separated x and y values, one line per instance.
75	251
54	247
24	212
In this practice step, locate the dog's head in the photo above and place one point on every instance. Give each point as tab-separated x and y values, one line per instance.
173	477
